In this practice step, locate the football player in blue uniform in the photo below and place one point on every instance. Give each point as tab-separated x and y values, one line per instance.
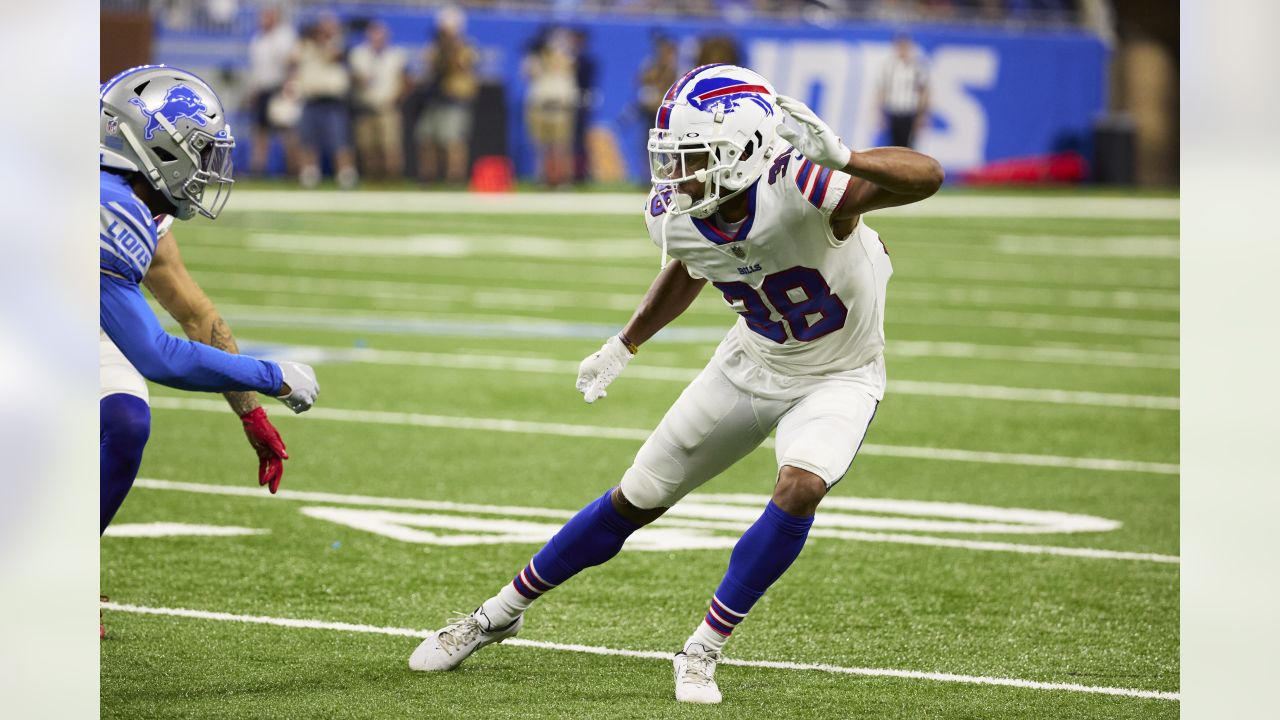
165	150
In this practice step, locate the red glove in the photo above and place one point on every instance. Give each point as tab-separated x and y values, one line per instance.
270	448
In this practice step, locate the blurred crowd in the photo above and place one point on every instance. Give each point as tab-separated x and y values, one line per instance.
183	12
343	96
345	100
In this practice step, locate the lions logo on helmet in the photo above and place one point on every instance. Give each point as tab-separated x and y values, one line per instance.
180	102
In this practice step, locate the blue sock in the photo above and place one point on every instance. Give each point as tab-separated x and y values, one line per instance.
762	554
125	423
590	538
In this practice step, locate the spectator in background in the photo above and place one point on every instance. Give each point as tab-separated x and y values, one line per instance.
378	72
450	89
904	92
718	49
585	73
270	57
551	98
659	72
324	83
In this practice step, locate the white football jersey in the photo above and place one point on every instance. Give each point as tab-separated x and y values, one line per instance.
809	303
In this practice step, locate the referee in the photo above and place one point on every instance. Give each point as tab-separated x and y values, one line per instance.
904	92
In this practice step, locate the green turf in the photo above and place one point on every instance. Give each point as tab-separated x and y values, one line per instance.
1098	622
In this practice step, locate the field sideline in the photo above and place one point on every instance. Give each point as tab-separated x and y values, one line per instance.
1006	545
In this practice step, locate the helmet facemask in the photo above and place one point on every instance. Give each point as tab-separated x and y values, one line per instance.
724	165
213	172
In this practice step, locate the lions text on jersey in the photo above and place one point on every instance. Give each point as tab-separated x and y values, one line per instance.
126	231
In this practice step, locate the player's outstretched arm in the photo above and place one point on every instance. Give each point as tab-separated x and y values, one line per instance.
670	294
125	317
182	297
178	293
882	177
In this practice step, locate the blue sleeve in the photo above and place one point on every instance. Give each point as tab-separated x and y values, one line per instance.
160	357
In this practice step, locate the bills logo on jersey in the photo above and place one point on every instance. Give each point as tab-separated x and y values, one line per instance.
180	102
724	94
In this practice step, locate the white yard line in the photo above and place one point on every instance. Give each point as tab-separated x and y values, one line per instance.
1126	246
172	529
566	368
945	205
492	296
457	422
692	505
650	654
395	322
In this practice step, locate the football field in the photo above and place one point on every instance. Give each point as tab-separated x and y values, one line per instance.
1005	546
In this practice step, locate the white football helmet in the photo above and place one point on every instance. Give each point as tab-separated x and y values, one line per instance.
170	126
718	125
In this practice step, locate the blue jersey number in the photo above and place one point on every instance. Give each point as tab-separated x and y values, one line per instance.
800	295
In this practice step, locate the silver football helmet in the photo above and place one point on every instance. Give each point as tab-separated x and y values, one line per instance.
170	126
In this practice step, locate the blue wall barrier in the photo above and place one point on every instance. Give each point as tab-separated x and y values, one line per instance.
995	94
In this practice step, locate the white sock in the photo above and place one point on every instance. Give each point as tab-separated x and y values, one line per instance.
503	609
708	638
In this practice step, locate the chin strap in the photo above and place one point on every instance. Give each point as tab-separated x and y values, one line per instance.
662	230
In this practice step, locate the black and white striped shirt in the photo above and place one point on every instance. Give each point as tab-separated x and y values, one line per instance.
903	85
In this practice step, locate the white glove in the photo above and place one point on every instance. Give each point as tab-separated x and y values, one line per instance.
303	387
815	139
601	368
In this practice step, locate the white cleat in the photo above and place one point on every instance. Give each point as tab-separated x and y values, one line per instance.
696	675
446	648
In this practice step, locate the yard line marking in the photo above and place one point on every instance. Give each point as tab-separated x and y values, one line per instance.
928	292
1065	355
450	245
695	505
416	202
172	529
313	354
489	326
494	296
1128	246
458	422
384	259
650	654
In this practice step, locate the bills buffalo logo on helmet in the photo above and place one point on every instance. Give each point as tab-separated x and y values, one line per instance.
724	94
180	102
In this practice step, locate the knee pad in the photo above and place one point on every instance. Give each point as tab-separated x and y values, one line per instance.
125	422
647	487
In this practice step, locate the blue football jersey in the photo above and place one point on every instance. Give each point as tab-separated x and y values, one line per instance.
126	231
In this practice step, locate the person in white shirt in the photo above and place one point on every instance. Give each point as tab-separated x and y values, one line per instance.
324	82
904	92
378	70
270	58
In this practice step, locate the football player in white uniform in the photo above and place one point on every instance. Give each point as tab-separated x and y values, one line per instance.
772	215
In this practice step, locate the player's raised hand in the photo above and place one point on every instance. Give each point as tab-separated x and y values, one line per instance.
815	139
300	387
270	448
601	368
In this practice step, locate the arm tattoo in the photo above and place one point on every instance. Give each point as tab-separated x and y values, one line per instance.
220	337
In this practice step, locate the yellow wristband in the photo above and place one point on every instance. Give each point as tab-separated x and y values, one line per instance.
630	346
